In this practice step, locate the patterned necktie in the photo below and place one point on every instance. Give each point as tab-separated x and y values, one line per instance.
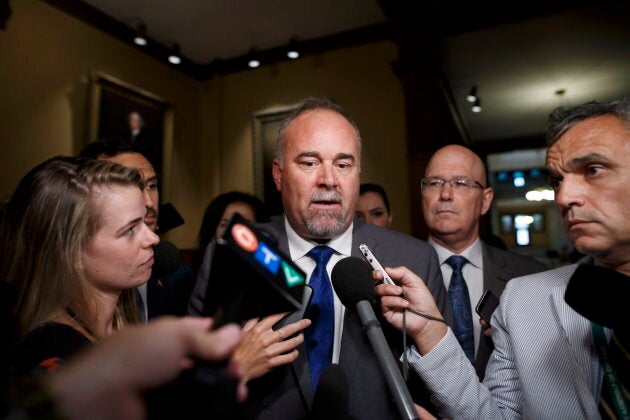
614	399
460	302
319	336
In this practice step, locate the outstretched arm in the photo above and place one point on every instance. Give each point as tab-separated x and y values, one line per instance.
109	379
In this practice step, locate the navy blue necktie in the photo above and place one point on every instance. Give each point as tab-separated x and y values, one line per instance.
460	302
321	311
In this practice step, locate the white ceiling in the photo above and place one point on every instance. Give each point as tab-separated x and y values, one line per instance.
517	67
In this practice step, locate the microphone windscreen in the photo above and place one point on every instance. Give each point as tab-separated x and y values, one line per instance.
599	294
331	396
166	258
169	218
353	281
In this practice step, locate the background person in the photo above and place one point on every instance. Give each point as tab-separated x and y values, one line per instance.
168	290
373	205
218	214
454	198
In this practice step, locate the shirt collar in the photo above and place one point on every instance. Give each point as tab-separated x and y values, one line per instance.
299	247
473	253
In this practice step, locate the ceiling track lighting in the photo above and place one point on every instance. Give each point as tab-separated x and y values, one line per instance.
252	59
476	106
141	35
472	95
175	55
293	52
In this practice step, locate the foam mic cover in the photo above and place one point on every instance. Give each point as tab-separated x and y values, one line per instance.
600	295
353	281
331	396
166	258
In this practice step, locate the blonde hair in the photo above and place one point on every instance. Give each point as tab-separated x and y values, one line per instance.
46	227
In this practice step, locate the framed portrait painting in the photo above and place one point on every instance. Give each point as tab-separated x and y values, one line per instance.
119	110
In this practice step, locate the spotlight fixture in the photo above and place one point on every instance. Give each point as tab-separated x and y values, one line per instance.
252	60
476	106
141	35
292	51
175	56
472	95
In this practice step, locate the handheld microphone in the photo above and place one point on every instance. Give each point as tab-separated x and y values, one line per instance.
331	396
600	295
353	282
167	259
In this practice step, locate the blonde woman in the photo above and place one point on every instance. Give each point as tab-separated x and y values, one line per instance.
74	246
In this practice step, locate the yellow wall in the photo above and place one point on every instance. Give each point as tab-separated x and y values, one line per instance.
47	55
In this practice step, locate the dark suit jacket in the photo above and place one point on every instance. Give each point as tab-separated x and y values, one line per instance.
499	266
286	392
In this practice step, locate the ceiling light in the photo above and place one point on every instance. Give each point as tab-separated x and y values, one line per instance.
477	106
252	60
292	51
175	56
141	35
540	194
472	95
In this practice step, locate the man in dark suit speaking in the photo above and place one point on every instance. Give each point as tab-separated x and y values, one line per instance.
454	197
317	171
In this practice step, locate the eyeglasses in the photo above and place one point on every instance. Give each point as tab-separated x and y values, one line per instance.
459	183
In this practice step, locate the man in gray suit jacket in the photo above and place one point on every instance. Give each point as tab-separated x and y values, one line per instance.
545	364
454	197
317	169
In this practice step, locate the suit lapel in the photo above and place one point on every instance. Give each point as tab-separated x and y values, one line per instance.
578	344
494	279
495	271
299	367
353	341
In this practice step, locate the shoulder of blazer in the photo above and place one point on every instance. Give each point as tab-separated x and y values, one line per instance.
511	263
371	235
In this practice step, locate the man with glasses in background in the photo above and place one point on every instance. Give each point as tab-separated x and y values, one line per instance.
454	197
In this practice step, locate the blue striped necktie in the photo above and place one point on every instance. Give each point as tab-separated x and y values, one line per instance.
319	336
460	302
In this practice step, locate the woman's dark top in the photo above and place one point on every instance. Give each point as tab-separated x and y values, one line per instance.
45	348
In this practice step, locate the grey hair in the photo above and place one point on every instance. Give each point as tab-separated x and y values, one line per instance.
311	104
561	119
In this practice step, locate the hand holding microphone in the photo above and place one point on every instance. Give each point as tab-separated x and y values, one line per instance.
425	324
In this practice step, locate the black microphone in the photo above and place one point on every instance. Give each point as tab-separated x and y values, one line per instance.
354	285
331	397
600	295
166	259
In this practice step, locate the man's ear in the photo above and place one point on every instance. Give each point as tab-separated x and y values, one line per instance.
276	172
487	195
